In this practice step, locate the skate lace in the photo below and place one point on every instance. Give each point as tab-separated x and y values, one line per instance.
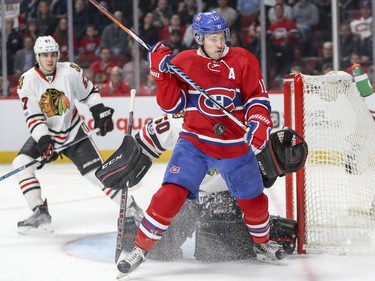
270	247
137	255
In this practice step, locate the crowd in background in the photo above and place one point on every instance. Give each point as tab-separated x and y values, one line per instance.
299	35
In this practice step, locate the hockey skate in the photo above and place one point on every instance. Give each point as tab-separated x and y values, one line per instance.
270	252
129	263
38	222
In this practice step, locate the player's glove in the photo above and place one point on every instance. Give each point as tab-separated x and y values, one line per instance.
258	132
159	59
103	118
46	148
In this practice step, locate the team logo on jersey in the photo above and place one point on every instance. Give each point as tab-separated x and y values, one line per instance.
54	102
223	96
76	67
174	169
20	82
213	66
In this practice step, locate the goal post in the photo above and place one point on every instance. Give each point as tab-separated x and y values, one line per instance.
332	196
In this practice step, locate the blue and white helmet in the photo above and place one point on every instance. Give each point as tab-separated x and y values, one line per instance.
46	44
207	23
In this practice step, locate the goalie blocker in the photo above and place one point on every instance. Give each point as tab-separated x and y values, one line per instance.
125	167
285	153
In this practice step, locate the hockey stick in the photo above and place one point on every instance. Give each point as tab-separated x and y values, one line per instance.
124	191
171	66
41	158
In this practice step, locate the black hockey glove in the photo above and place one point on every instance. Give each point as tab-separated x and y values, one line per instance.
103	118
46	148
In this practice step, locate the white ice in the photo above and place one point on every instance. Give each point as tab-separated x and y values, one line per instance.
80	210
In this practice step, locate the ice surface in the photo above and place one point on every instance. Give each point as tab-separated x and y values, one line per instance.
82	245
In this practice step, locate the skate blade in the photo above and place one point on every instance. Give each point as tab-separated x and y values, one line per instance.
121	276
24	230
266	259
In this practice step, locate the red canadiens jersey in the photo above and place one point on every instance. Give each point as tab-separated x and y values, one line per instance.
235	82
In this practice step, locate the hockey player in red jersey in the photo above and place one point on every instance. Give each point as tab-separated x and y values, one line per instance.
209	139
48	93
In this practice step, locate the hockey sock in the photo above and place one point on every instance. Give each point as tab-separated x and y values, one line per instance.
165	204
256	217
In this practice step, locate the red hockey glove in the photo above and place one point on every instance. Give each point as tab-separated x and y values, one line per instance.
103	118
46	148
159	58
258	132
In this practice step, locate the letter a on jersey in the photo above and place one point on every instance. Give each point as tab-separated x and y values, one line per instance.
231	74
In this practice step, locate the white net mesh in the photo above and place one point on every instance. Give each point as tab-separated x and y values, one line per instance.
340	168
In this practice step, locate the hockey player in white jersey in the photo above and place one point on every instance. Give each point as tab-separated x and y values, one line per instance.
48	93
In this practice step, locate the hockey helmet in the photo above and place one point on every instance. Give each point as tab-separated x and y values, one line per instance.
46	44
207	23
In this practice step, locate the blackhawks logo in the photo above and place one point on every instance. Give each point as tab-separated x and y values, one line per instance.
54	102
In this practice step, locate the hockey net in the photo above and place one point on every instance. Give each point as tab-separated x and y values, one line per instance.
331	198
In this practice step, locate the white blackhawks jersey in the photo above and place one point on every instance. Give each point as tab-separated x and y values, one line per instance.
161	134
49	102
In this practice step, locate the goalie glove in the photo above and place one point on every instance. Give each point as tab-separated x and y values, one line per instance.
103	118
285	153
159	59
258	132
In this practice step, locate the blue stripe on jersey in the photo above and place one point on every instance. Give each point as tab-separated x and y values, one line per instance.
264	102
213	141
179	106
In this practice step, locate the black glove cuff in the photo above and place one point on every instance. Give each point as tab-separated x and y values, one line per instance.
96	109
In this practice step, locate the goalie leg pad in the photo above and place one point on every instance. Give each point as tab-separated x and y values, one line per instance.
218	241
221	233
126	166
284	232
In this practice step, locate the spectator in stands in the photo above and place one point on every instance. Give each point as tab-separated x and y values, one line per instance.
116	84
61	37
186	10
25	57
326	57
188	39
349	43
97	18
306	16
14	42
355	58
162	13
129	69
80	19
247	7
284	35
150	86
175	24
32	29
101	68
175	42
114	38
362	25
327	67
30	7
59	8
90	43
254	45
235	39
229	14
147	31
287	11
46	21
